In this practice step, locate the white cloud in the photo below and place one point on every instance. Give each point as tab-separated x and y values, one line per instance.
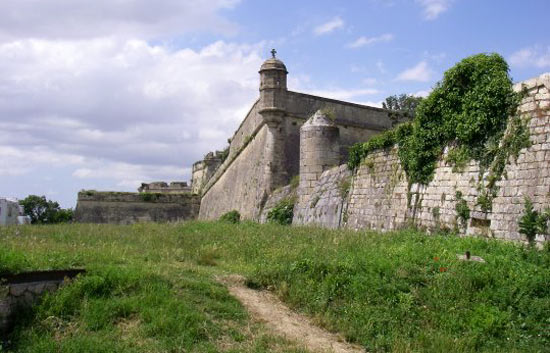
370	81
534	56
422	93
433	8
127	175
329	26
77	19
381	67
421	72
362	41
435	57
120	105
15	161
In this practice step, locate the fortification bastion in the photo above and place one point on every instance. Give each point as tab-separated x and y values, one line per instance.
264	153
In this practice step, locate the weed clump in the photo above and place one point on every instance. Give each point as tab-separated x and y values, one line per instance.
231	217
462	209
294	182
283	212
533	222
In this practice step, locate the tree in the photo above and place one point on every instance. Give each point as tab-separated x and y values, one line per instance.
403	107
42	210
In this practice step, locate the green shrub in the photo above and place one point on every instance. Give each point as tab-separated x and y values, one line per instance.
485	201
283	212
532	222
231	217
462	209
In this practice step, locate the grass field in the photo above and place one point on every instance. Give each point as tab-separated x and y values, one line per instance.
152	288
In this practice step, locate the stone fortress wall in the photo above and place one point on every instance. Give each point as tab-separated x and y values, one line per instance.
378	196
264	152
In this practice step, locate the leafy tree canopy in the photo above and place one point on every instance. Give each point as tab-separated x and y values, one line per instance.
43	211
404	106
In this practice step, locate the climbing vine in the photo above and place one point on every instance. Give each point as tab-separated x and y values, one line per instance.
468	112
496	157
462	209
386	139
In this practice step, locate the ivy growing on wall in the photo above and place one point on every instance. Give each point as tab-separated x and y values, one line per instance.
462	209
386	139
467	111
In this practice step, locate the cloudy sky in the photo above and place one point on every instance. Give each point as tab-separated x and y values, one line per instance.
106	94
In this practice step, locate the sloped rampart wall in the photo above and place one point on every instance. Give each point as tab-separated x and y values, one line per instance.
380	197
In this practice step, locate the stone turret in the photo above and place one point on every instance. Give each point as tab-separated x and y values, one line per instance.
273	96
273	87
319	151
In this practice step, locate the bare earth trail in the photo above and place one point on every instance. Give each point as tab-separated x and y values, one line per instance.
268	309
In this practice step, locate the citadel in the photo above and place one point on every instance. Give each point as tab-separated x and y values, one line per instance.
294	146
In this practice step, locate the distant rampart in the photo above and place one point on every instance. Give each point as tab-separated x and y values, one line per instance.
130	207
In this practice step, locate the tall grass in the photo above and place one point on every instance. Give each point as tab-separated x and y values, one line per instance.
140	294
394	292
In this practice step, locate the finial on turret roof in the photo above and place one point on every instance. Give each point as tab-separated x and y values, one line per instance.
273	52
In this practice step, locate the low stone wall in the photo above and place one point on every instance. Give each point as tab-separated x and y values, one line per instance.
128	207
24	290
380	197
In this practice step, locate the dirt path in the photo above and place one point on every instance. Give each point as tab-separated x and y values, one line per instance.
265	307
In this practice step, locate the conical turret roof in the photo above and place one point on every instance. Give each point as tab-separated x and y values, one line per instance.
320	118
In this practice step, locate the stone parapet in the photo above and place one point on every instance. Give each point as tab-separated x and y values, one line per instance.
175	187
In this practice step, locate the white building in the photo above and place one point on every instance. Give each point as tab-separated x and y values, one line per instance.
11	212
